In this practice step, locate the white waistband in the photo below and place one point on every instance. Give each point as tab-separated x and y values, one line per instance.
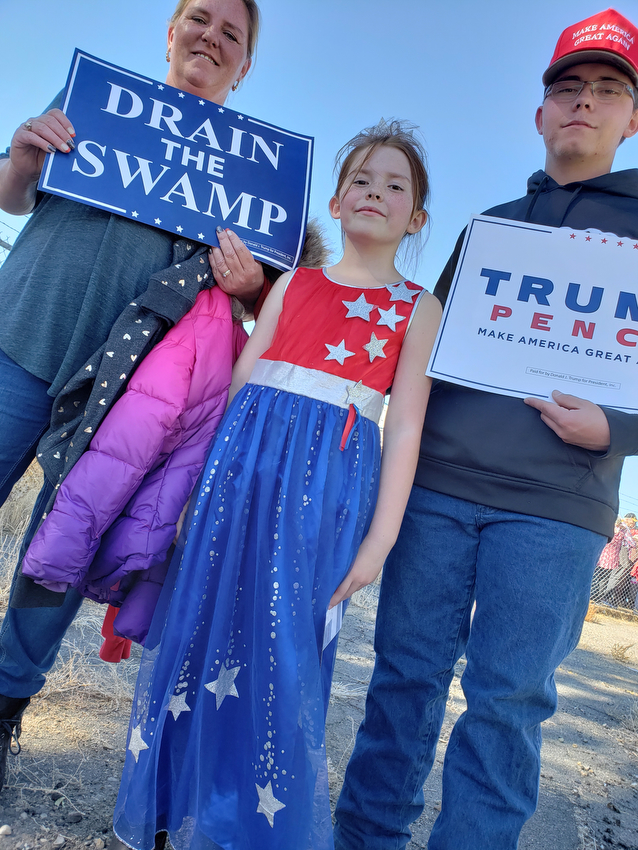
320	385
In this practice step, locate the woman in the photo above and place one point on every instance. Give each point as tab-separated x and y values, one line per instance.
71	273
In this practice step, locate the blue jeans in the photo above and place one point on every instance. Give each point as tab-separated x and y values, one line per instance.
30	637
25	411
530	578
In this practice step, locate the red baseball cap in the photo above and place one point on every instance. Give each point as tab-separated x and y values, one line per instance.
606	37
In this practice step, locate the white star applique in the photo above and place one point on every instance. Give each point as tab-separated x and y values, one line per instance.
158	221
177	704
221	109
359	308
241	117
224	686
201	103
390	318
200	235
375	347
400	292
338	352
160	87
181	94
356	393
136	744
268	804
179	228
135	214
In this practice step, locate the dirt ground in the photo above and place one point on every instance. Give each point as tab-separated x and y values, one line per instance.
589	780
62	787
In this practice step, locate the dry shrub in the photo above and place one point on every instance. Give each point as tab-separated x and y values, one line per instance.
592	611
631	720
368	596
79	673
9	548
14	517
345	690
17	509
619	651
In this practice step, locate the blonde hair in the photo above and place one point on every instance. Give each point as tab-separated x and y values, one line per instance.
254	21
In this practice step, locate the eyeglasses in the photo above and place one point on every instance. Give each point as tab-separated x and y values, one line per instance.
606	91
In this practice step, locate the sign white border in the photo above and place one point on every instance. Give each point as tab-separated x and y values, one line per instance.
534	308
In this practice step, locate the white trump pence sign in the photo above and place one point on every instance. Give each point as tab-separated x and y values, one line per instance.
532	309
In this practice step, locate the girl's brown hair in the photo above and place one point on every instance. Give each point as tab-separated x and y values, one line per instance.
395	134
400	135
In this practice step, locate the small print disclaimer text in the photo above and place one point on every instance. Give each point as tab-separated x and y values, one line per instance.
572	379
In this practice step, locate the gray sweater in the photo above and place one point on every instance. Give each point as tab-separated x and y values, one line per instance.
495	450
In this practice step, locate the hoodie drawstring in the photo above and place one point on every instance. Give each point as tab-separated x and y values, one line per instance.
532	203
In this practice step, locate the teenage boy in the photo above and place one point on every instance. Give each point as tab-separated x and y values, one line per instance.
511	507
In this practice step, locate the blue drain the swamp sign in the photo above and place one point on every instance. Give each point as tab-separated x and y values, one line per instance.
166	158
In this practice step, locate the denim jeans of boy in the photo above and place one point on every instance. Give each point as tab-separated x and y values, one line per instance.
30	637
530	578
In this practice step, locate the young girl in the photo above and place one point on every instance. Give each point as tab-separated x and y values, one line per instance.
226	743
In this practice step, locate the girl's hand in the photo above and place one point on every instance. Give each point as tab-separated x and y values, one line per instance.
180	521
235	269
366	567
35	138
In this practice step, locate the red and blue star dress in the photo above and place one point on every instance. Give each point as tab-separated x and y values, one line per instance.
226	745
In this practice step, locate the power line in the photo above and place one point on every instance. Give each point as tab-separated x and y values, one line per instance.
5	244
6	226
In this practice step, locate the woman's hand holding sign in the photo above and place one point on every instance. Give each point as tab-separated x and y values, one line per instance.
31	142
575	420
236	271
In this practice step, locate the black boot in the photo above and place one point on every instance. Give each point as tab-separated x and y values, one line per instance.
10	729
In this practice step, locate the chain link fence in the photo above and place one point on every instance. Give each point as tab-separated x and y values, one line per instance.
615	582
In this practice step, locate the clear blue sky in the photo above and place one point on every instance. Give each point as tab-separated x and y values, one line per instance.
467	72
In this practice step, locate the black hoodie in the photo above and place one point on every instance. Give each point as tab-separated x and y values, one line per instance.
495	450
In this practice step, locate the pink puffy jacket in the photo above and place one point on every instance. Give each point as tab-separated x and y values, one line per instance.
115	514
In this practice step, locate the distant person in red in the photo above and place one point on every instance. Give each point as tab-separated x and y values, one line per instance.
609	560
619	590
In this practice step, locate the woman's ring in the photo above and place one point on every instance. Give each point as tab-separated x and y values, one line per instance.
27	125
226	273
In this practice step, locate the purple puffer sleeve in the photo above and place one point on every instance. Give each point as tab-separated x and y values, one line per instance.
140	537
152	428
128	443
142	534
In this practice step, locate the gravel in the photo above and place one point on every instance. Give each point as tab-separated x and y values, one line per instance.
62	787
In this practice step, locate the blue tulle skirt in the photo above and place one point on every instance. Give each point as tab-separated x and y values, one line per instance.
227	737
